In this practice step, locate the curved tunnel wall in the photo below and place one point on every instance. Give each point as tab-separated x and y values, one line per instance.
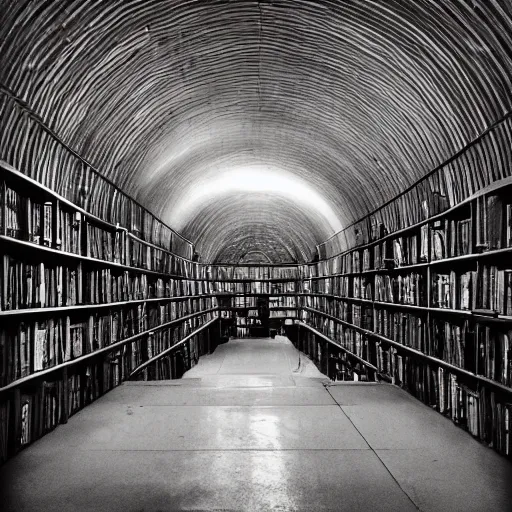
357	99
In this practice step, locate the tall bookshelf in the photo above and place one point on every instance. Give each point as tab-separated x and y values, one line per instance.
256	300
85	305
430	308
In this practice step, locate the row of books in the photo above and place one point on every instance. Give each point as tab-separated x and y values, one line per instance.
384	360
363	288
56	225
84	387
450	238
254	287
453	342
493	289
174	365
339	285
27	285
241	301
488	352
142	255
244	301
336	308
250	320
460	402
158	341
493	215
342	367
283	301
398	252
104	244
361	315
69	235
42	409
453	291
408	250
312	347
241	272
494	354
347	337
40	412
38	285
447	238
31	346
283	313
104	286
405	328
163	339
24	218
401	289
487	288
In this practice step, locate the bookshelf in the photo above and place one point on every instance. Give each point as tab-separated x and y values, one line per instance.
255	300
429	307
85	305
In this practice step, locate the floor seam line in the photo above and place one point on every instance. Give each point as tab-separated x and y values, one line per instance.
376	454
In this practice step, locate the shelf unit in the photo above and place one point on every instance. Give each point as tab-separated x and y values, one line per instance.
256	300
86	304
430	307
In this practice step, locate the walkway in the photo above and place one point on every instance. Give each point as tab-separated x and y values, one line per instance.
249	428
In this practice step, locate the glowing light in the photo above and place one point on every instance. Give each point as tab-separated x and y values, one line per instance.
255	179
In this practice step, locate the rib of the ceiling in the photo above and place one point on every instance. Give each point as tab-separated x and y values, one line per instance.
277	227
359	98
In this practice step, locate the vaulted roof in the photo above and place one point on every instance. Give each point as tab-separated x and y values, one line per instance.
261	126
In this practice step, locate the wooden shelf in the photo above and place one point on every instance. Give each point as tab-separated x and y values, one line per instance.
404	268
105	305
240	294
395	305
473	256
271	280
242	308
461	312
401	306
337	297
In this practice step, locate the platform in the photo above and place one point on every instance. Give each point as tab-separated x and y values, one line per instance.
255	426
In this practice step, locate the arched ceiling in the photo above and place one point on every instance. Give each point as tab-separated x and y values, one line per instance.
318	110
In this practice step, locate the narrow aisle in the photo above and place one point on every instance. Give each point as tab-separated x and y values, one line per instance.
241	360
253	428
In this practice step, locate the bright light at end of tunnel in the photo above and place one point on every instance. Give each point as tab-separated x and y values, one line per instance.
255	179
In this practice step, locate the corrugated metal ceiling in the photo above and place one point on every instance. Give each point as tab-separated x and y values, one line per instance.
349	100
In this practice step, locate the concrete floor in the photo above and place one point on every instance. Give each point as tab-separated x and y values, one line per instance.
250	428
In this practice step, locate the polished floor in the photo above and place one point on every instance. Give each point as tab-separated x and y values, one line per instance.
255	426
